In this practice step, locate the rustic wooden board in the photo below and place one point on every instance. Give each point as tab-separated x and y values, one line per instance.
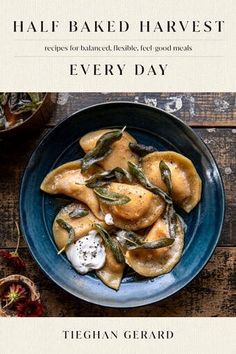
222	144
212	293
196	109
13	159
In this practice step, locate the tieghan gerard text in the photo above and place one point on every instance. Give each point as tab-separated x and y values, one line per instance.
109	334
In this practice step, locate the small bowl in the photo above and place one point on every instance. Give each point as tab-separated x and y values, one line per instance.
18	279
34	121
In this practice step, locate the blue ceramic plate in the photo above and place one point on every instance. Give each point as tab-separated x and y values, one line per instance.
149	126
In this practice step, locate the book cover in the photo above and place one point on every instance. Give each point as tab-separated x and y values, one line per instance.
117	176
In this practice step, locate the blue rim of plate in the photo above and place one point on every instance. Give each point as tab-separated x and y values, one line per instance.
99	293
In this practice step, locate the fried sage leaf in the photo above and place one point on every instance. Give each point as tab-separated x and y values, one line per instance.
141	150
166	176
103	178
172	216
122	175
78	213
99	179
131	241
20	102
174	221
36	97
111	243
111	198
138	173
101	150
71	233
3	121
3	98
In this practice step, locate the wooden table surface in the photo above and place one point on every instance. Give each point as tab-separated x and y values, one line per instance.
213	291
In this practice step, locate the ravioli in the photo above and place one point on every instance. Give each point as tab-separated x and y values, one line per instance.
112	271
81	225
187	185
68	179
120	154
141	211
154	262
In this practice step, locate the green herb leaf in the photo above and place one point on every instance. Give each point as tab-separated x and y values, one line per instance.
175	221
100	179
172	220
36	97
138	173
21	102
3	98
166	176
98	184
129	239
141	150
132	241
71	233
111	243
162	242
3	121
101	150
111	198
78	213
103	178
122	175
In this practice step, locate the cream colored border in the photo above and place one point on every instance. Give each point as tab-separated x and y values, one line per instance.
191	335
213	73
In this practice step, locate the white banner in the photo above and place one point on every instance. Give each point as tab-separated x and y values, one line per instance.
117	335
78	45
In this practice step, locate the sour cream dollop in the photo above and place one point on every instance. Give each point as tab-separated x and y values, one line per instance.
87	253
109	219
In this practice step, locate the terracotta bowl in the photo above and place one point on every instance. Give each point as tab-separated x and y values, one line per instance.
18	279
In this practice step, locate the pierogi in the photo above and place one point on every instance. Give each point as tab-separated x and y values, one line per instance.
112	272
82	226
121	153
140	212
68	180
187	185
154	262
125	209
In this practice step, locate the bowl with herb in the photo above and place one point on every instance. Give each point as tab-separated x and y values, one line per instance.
20	112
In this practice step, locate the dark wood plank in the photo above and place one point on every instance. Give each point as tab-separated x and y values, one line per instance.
222	144
196	109
212	293
14	157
